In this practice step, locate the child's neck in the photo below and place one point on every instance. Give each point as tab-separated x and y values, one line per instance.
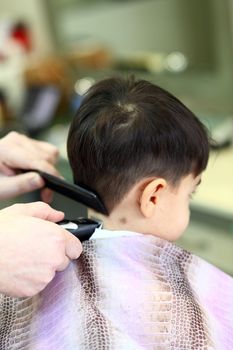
116	221
109	222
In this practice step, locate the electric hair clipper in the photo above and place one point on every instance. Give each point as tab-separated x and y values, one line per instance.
81	228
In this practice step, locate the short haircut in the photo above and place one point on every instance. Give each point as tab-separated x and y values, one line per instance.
126	130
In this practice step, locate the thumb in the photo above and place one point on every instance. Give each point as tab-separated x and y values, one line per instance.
73	246
12	186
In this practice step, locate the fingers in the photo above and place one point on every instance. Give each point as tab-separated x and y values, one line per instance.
49	150
63	265
43	165
46	150
12	186
19	151
47	195
39	210
73	246
73	249
43	248
4	169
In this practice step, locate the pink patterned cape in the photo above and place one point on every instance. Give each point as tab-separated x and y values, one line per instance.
125	293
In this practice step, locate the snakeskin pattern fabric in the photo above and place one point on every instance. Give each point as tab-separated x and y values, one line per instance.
125	293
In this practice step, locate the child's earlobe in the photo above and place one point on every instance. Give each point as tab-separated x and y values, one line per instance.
150	196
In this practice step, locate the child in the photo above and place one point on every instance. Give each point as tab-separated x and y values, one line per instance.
143	152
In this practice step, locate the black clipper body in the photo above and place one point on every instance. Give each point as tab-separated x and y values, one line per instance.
81	228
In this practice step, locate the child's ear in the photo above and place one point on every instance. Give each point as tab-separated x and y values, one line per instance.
150	196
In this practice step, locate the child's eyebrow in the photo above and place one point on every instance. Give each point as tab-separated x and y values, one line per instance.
199	182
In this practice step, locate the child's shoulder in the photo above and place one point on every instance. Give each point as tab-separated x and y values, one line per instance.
149	248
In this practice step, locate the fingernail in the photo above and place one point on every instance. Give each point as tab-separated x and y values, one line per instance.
36	181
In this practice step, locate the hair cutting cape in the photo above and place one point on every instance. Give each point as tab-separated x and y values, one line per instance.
125	293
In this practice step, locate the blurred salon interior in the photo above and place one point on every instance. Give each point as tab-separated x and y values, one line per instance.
51	52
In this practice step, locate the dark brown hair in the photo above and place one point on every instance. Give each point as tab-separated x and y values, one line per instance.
126	130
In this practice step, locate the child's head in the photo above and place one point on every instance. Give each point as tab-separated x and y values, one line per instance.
142	151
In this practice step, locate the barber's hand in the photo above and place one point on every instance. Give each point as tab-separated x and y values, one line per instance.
20	152
33	248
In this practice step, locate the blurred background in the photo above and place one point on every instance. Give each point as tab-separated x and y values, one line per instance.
51	51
